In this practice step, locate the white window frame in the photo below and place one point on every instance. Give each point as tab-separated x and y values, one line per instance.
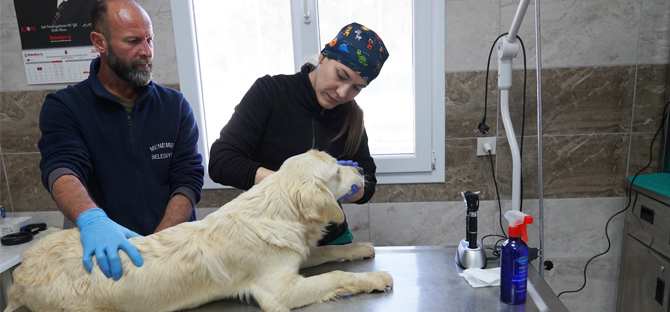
426	165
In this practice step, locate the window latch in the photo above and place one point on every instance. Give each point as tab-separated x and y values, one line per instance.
306	11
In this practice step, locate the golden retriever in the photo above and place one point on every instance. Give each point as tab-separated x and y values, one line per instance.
252	247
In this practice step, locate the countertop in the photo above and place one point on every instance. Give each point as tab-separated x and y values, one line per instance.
11	255
425	279
654	185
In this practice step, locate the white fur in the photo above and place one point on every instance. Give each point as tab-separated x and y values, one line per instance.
251	247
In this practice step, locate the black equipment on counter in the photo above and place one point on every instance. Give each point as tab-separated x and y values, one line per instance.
470	252
25	235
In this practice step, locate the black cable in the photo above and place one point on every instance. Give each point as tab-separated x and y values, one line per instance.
523	119
632	182
483	128
495	251
496	245
497	194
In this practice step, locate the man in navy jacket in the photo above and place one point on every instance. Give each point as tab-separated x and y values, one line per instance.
119	152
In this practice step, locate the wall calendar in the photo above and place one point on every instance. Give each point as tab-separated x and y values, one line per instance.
58	65
55	39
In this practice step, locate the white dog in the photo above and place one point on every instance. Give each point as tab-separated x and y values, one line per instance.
252	247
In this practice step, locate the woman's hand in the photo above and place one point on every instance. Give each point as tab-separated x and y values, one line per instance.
261	174
355	193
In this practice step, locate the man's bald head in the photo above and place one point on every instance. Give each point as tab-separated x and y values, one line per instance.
100	13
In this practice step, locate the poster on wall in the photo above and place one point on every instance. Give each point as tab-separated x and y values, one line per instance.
55	39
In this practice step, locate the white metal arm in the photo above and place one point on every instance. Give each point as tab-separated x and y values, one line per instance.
508	48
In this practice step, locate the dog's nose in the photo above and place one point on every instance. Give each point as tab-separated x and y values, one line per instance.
360	169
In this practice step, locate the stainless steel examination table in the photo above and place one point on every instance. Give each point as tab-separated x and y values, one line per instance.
425	279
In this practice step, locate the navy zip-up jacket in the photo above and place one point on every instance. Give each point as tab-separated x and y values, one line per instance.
131	164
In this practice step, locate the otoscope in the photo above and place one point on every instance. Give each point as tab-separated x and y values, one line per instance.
472	204
471	253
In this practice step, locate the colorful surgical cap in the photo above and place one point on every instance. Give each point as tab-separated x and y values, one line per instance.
360	49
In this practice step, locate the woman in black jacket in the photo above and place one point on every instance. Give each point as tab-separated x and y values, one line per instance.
285	115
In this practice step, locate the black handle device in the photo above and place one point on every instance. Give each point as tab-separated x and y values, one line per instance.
24	236
472	203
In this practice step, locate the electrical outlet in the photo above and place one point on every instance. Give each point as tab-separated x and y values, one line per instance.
480	146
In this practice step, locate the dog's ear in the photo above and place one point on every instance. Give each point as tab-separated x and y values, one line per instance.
316	202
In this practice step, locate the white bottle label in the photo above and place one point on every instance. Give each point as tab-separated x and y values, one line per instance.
520	273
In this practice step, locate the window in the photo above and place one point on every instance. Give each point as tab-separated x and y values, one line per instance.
224	46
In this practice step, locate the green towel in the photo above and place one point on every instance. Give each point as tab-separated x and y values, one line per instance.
655	182
345	238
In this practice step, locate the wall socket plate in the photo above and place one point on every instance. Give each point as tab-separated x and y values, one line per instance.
480	146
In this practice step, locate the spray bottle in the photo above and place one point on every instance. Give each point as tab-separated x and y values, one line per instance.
514	259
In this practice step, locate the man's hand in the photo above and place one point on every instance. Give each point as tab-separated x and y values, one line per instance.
103	237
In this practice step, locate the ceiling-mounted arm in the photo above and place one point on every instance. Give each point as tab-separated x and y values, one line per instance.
518	18
509	47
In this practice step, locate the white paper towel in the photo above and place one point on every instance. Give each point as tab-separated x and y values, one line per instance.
482	277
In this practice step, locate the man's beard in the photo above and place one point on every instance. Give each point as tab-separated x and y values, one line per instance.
137	77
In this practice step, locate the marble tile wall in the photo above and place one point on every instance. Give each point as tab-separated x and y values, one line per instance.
574	33
604	83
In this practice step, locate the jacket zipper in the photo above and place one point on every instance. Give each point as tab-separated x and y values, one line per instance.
135	162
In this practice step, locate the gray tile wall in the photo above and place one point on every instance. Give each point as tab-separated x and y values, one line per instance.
605	81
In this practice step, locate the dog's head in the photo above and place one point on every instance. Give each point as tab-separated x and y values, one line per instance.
317	181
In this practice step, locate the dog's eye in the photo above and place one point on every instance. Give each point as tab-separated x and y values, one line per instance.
338	171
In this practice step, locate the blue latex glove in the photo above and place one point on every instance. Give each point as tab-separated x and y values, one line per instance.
354	190
347	163
103	237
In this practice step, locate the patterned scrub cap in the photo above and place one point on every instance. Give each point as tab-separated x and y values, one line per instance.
360	49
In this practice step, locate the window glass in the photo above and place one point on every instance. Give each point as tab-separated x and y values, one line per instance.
238	42
224	46
388	103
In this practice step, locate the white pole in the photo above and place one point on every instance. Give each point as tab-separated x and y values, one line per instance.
508	48
514	148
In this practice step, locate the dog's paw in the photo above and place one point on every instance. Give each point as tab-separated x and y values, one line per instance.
367	250
384	281
358	251
375	282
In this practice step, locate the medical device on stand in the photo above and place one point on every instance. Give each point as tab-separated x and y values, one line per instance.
508	48
471	253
